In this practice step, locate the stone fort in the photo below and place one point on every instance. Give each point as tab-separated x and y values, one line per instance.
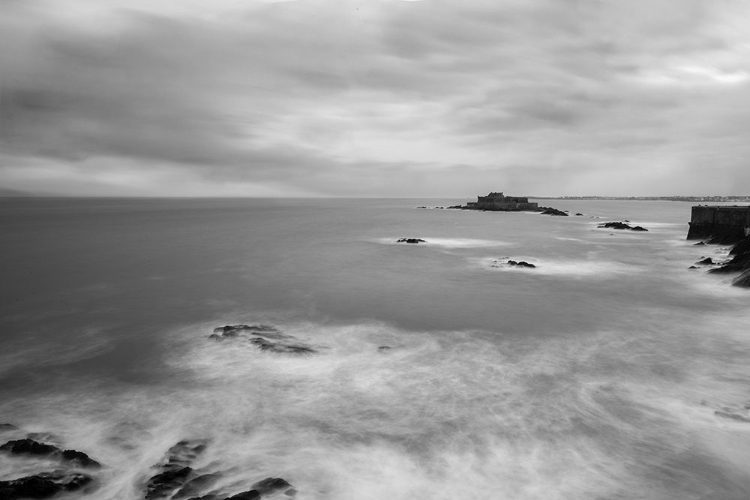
500	202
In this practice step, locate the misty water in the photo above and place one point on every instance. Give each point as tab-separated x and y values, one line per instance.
596	375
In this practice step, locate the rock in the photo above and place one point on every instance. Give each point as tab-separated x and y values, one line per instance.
743	280
522	263
282	347
700	243
553	211
8	427
384	348
261	334
195	485
43	485
246	495
707	260
579	214
29	447
271	485
692	267
163	484
235	330
739	263
175	468
614	225
410	240
639	228
79	458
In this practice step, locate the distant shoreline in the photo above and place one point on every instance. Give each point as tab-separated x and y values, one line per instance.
691	199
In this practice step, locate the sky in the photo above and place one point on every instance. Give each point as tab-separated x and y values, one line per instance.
374	98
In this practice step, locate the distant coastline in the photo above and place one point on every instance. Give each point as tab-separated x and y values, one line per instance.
692	199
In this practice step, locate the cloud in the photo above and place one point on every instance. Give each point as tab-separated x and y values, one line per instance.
372	98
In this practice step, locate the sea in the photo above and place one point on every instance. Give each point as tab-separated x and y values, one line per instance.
609	371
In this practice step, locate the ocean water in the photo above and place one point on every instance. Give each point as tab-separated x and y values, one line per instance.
596	375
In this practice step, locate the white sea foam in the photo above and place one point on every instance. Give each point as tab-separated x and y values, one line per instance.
551	267
448	242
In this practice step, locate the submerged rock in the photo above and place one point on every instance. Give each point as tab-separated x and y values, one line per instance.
259	336
6	427
410	240
235	330
43	485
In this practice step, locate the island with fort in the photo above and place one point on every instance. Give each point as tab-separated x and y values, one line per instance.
498	202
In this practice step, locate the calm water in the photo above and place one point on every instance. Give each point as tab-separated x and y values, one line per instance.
594	376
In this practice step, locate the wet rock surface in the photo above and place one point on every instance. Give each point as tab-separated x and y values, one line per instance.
179	480
621	225
411	240
266	338
31	447
43	485
739	263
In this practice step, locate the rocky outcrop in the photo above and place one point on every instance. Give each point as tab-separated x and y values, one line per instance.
31	447
512	263
553	211
739	263
266	338
43	485
621	225
178	480
410	240
174	469
706	261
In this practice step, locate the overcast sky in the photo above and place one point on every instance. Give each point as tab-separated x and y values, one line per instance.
375	97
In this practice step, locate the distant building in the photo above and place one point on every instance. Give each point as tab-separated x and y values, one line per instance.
500	202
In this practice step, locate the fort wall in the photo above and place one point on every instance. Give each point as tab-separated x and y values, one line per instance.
721	224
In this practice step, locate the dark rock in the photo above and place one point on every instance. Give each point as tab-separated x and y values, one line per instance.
410	240
707	260
43	485
245	495
739	263
163	484
639	228
8	427
282	347
742	280
194	486
522	263
614	225
183	453
700	243
270	485
80	458
235	330
384	348
29	447
579	214
692	267
553	211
